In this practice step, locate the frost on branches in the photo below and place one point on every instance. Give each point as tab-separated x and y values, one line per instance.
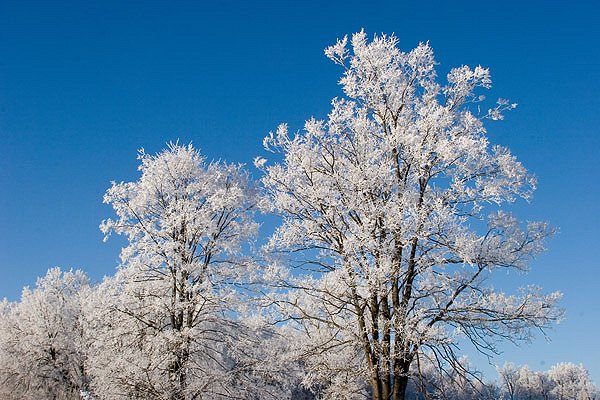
166	326
42	345
563	381
381	202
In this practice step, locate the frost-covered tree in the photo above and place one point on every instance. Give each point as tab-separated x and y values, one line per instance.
395	206
166	322
42	346
509	377
531	385
571	381
563	381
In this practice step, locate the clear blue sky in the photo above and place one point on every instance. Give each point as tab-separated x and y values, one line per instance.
83	85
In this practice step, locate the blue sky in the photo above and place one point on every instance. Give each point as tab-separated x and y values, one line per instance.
83	85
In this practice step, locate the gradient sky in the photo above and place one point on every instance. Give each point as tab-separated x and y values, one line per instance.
84	84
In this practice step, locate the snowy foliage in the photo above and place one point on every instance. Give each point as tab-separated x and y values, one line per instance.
572	381
383	199
165	323
563	381
42	348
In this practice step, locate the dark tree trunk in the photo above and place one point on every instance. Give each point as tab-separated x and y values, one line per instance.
400	388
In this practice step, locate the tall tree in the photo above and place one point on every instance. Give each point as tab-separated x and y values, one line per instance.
385	199
167	331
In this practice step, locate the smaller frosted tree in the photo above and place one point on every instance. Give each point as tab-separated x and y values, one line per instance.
509	377
563	381
532	385
42	347
572	381
166	314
